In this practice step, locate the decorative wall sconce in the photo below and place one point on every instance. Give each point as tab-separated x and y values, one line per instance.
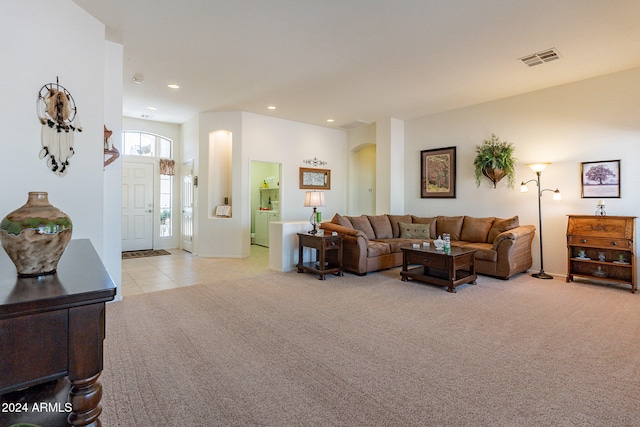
538	168
314	162
111	153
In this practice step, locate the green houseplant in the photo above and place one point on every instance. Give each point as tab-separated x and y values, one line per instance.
494	159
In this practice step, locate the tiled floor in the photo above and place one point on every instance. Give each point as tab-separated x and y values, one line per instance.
180	269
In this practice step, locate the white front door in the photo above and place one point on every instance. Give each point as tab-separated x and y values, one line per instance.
187	206
137	206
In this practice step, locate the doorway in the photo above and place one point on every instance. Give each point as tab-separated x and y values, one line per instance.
265	200
364	179
137	206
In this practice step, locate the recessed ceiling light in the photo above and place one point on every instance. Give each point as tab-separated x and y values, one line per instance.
330	120
173	86
152	108
271	107
138	78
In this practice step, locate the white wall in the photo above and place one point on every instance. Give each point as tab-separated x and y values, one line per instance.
591	120
389	162
262	138
113	173
34	53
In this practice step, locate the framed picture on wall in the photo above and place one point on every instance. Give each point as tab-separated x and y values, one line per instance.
319	179
438	173
600	179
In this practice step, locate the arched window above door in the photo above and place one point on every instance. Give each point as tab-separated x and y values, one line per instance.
146	144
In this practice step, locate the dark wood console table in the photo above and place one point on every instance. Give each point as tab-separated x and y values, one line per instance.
52	327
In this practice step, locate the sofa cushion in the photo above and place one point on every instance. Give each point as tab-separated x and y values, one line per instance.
381	226
426	220
396	243
341	220
451	225
414	231
476	229
362	223
375	248
395	219
501	225
484	251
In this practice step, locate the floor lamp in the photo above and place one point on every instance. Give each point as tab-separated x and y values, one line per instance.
538	168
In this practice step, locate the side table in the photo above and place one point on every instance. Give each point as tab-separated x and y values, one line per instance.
52	327
328	254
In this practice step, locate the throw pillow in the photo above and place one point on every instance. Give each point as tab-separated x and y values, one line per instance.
414	231
341	220
362	223
424	220
395	219
451	225
381	226
475	230
501	225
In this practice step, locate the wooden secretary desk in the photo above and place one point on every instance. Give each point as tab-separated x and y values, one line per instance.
52	327
602	248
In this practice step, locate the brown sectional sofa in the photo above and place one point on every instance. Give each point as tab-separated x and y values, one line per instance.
373	243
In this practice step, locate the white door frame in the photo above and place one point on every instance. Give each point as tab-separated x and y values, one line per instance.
186	206
138	196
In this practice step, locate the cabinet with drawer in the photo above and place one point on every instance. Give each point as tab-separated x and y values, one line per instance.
602	248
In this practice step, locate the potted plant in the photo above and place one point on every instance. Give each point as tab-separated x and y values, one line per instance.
494	159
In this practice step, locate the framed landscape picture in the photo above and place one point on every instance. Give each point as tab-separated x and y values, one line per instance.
319	179
600	179
438	173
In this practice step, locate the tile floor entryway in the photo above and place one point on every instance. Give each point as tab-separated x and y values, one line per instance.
141	275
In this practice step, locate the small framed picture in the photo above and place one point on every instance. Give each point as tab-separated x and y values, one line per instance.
438	173
600	179
319	179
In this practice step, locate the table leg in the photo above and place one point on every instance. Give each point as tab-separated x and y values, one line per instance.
300	254
85	395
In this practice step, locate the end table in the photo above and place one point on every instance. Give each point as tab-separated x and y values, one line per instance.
328	254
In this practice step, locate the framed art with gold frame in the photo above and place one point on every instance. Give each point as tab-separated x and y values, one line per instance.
315	179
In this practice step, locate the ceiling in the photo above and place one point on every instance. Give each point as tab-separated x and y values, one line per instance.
356	60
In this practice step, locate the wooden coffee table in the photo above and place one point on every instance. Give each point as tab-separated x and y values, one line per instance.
438	268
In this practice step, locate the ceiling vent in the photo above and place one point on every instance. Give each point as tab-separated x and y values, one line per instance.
541	57
354	124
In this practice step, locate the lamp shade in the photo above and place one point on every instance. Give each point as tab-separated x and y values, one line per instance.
538	167
314	199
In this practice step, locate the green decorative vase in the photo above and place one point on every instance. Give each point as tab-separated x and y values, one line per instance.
35	235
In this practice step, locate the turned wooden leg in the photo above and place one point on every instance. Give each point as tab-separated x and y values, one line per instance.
85	395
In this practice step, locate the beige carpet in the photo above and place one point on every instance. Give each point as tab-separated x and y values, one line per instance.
285	349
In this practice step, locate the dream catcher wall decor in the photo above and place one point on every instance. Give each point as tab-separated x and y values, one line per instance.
58	115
